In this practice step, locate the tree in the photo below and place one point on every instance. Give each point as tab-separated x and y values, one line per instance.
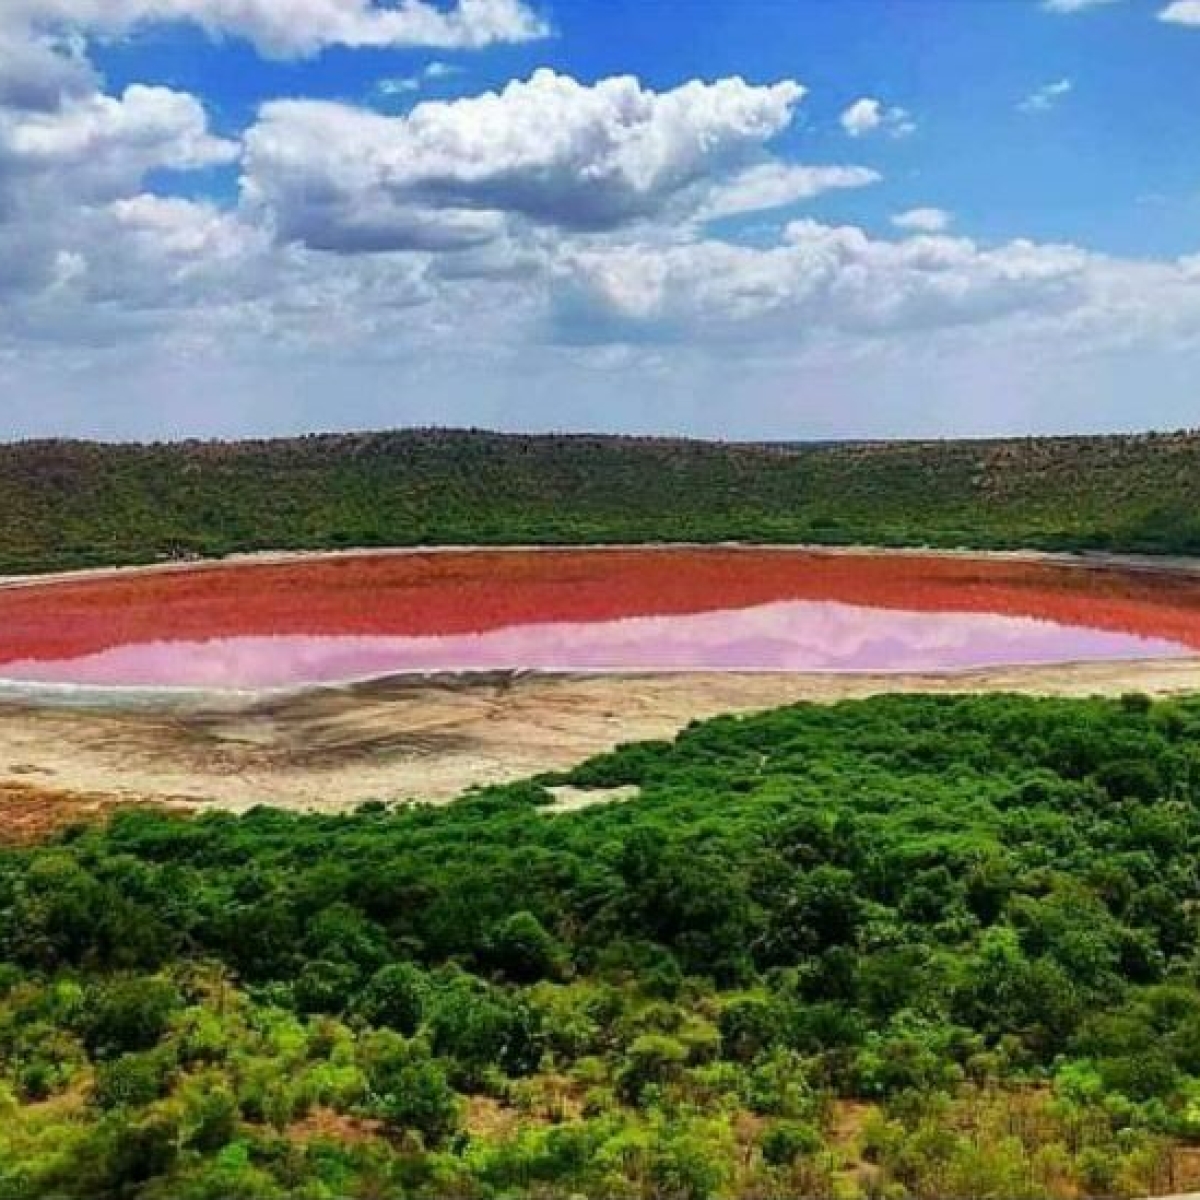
523	950
408	1089
653	1058
395	996
127	1014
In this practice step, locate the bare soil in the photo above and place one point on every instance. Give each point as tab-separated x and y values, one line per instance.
31	812
431	738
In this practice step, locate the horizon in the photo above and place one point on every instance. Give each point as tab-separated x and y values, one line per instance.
896	220
592	434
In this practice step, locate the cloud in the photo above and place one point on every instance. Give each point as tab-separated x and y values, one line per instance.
1045	98
923	220
172	227
776	185
398	85
58	163
1068	7
818	278
1182	12
122	136
68	150
300	28
549	151
560	222
39	73
403	84
868	116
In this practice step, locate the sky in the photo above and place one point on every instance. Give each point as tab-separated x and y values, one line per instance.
751	219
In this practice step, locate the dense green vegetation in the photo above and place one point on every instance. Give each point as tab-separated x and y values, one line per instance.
926	947
65	504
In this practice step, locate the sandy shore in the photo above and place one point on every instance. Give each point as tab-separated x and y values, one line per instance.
1088	558
432	738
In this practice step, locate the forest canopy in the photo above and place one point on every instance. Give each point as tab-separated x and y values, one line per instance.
75	504
903	947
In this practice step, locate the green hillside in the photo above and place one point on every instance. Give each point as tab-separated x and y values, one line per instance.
901	948
68	504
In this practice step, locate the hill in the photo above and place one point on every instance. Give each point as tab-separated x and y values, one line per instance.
67	504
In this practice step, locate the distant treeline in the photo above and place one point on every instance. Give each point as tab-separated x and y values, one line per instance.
68	504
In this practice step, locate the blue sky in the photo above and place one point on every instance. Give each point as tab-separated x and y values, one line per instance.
797	218
1115	164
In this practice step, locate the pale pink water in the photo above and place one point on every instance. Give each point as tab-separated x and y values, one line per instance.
789	635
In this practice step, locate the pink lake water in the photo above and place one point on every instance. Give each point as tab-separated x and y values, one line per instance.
788	636
324	621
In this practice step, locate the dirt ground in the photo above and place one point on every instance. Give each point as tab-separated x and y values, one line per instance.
431	738
29	813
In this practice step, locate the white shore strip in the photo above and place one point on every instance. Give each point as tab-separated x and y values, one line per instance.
1094	559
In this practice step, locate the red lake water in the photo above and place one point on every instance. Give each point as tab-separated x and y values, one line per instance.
323	620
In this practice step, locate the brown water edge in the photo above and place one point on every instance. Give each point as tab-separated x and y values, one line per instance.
432	738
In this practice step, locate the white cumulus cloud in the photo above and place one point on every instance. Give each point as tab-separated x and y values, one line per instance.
144	127
507	250
1182	12
293	28
549	150
819	277
923	220
68	149
869	115
176	227
400	85
775	185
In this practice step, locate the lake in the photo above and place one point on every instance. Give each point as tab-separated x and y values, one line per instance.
334	619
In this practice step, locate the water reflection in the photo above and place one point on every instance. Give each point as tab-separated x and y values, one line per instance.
792	635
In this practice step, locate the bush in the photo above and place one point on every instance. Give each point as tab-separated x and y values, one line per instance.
786	1141
408	1089
127	1014
521	949
130	1081
395	997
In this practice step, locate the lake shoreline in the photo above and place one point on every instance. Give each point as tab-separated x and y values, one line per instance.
436	735
680	609
1093	559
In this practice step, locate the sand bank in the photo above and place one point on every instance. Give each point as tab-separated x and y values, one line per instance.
431	738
